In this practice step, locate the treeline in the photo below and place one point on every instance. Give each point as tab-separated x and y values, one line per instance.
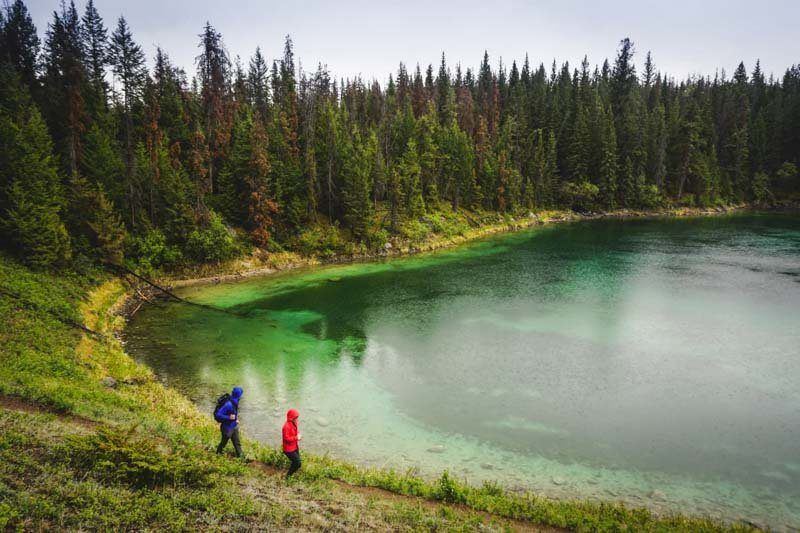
101	157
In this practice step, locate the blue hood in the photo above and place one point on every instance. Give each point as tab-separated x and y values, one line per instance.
236	393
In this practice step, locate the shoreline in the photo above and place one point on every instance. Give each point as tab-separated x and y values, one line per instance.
254	266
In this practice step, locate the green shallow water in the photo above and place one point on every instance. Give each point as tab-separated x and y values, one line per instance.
655	362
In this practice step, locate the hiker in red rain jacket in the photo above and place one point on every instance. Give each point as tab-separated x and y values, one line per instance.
290	440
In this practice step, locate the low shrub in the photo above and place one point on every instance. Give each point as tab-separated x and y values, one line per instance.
322	240
415	231
114	456
152	251
650	197
215	242
581	197
449	490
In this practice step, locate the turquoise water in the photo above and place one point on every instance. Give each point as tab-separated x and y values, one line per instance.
655	362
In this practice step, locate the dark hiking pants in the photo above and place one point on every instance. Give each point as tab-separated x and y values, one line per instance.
294	457
232	435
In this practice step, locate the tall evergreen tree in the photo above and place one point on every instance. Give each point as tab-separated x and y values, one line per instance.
20	43
95	39
34	198
214	73
357	156
65	85
257	76
127	61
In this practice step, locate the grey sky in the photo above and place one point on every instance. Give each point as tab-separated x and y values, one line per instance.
371	37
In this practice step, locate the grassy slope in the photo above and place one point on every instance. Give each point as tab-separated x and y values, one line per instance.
138	455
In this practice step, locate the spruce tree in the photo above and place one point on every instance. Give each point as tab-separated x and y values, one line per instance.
259	198
408	170
257	75
20	43
427	128
32	222
93	223
608	162
62	99
357	156
127	61
214	73
95	39
103	164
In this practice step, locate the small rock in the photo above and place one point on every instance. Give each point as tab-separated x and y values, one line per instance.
323	422
109	382
438	448
387	246
657	495
558	480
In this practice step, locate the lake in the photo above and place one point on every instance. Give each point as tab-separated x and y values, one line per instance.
655	362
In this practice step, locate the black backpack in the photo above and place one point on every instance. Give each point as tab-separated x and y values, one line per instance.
222	400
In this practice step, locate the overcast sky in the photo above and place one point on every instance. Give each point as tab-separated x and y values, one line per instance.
371	37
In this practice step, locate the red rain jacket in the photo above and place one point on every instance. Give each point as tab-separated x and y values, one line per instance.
290	431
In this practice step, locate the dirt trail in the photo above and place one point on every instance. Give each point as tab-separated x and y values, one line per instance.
383	494
14	403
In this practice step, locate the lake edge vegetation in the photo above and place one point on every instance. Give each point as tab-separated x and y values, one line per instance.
114	448
102	159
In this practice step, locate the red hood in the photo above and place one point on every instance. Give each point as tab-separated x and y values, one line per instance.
292	414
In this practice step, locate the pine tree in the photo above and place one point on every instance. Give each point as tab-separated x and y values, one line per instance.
19	43
102	163
93	223
357	157
627	191
409	171
257	75
261	205
428	155
174	103
62	99
95	39
483	164
214	73
578	155
457	161
608	162
32	222
656	147
127	61
649	73
443	90
286	153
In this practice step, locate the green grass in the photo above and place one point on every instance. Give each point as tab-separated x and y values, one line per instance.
147	462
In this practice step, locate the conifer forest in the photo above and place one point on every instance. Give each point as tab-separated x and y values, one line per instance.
103	158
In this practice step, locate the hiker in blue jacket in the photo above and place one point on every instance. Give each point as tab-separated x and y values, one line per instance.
228	417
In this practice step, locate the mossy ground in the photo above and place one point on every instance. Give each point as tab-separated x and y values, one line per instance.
79	454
